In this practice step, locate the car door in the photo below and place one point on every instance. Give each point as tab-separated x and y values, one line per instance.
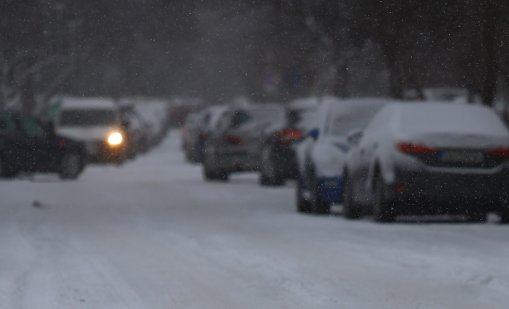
239	137
13	146
366	154
41	154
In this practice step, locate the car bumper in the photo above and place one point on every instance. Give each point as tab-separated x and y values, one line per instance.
102	152
233	162
286	162
444	192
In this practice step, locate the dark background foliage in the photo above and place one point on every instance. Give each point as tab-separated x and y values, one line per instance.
263	49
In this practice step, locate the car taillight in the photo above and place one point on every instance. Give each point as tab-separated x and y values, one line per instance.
203	135
499	153
287	136
415	149
233	139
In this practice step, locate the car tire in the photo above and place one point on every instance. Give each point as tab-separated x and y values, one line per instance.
383	209
350	209
268	171
318	205
7	171
212	174
71	166
504	217
303	205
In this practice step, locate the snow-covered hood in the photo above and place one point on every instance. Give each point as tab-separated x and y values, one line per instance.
86	133
329	156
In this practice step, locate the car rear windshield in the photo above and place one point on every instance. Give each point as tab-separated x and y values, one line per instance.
87	117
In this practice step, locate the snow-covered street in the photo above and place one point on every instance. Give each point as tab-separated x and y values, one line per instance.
153	234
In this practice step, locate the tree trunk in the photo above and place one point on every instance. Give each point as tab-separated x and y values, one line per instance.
489	33
28	96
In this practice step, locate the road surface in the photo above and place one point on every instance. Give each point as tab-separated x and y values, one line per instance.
153	234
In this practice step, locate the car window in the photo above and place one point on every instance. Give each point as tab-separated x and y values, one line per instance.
31	127
87	117
6	123
375	127
239	118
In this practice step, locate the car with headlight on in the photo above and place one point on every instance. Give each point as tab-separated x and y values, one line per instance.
322	155
98	123
430	158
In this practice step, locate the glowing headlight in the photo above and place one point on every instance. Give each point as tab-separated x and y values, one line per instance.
115	139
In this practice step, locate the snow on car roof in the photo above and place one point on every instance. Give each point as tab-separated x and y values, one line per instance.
446	117
103	103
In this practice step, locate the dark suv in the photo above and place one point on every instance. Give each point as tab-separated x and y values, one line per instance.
26	145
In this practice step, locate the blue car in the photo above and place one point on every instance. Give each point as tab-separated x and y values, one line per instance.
321	157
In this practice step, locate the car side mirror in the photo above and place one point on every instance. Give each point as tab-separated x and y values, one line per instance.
314	133
354	137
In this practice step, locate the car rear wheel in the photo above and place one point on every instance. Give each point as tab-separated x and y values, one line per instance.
70	166
350	209
504	217
211	174
7	171
318	205
383	210
268	171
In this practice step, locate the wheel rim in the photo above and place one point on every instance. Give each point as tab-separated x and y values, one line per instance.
71	164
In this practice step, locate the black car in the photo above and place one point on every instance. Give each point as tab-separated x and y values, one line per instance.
278	159
26	145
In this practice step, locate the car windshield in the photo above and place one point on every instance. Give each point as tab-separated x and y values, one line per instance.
87	117
342	120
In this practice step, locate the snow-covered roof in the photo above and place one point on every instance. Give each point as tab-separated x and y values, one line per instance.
452	118
72	102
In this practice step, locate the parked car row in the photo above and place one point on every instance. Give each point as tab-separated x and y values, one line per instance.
388	159
373	156
249	138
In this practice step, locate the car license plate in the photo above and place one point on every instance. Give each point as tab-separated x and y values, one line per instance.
466	157
331	184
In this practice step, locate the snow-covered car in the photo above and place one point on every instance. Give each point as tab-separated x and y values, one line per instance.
97	122
429	158
26	145
234	146
321	156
